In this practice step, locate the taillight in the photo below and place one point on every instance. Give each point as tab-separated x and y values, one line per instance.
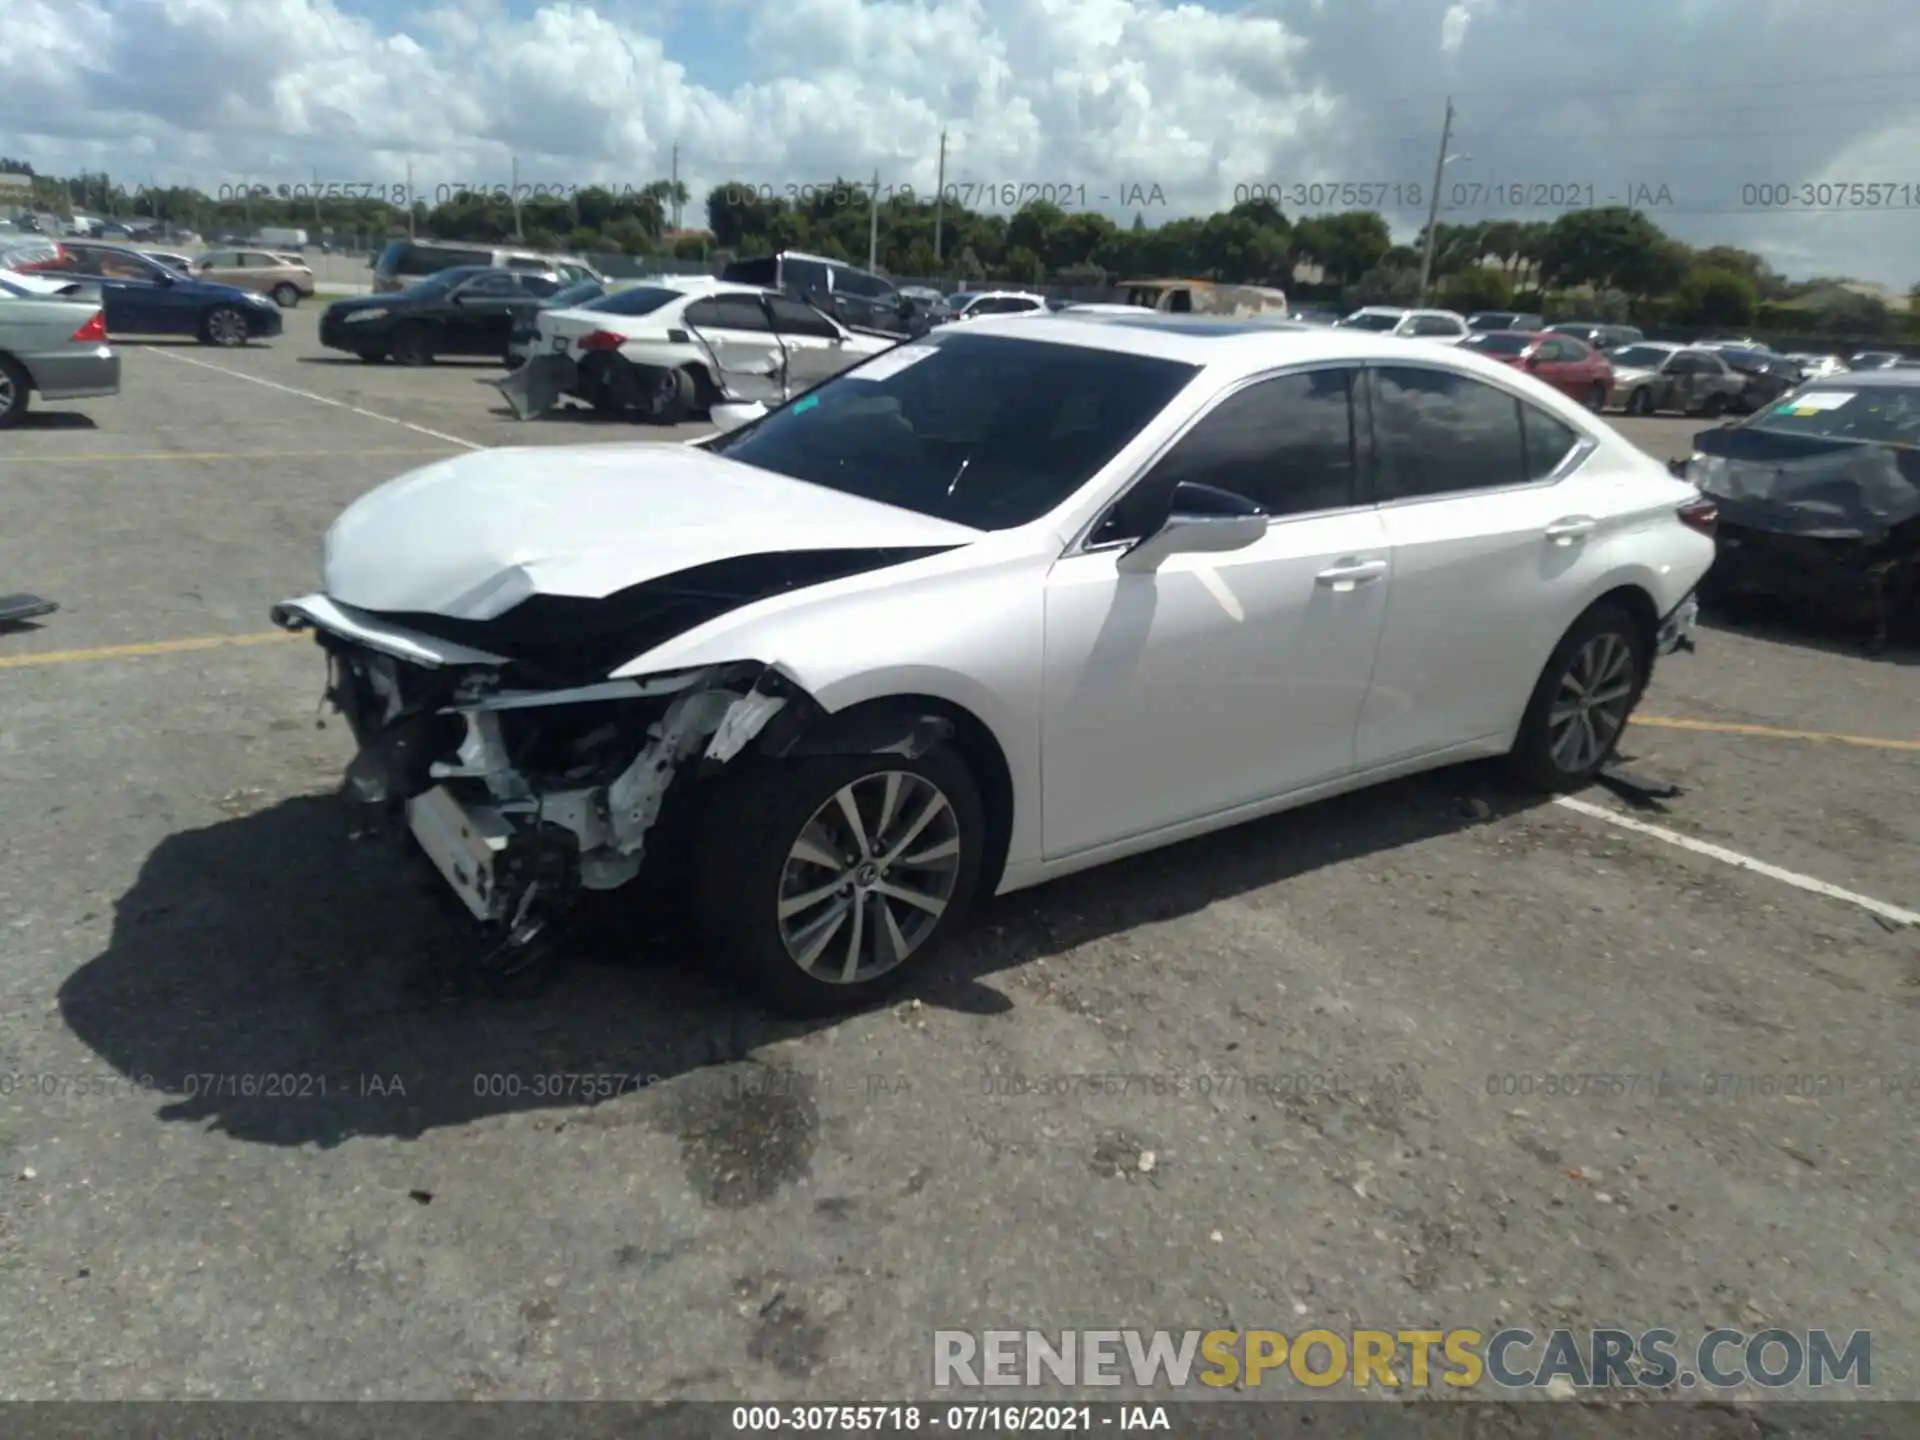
601	340
1702	515
94	332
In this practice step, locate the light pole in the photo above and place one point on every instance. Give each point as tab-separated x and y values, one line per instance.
1433	218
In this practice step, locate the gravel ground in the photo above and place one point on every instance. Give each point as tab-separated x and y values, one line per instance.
784	1211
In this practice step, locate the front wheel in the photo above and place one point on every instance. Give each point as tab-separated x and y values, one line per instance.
412	345
1640	402
16	391
224	326
826	881
1582	702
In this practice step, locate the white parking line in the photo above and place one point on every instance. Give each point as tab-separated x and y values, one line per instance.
1739	861
321	400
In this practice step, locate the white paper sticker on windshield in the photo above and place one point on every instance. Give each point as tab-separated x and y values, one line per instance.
1814	401
889	363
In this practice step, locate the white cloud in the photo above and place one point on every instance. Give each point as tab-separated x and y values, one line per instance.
1703	98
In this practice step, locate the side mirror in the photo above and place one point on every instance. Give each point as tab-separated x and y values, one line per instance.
1201	520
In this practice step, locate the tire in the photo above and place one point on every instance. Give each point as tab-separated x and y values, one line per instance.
372	357
223	326
672	401
1640	402
1597	398
412	345
1604	639
16	392
1713	407
285	295
747	856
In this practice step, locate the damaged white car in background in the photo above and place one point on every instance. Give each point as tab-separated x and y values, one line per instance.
683	343
1012	600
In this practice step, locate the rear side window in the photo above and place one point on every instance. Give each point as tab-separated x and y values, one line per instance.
1548	441
1438	433
728	312
415	261
805	276
1287	444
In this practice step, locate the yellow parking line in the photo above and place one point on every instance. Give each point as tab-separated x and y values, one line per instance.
214	455
1718	727
148	647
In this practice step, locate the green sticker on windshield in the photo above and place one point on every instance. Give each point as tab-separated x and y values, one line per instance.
800	406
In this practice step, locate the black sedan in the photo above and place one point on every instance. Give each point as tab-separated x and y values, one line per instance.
1819	499
467	310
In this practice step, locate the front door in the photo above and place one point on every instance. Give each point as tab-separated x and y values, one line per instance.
738	335
816	347
1486	555
478	318
1218	680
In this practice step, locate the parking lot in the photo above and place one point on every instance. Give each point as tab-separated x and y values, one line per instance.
262	1139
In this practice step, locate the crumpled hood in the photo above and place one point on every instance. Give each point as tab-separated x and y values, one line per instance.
471	537
1806	485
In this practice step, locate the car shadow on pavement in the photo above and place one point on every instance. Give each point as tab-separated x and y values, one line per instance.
1780	623
55	420
290	985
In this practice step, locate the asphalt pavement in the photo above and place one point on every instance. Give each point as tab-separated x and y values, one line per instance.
261	1138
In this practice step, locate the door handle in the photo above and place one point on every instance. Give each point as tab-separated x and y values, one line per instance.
1350	573
1565	532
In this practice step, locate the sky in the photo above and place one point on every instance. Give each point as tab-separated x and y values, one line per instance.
1760	123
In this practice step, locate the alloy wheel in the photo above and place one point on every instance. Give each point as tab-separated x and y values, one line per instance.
9	396
227	327
1590	707
869	876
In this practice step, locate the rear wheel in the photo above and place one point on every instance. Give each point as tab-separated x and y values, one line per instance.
825	882
372	357
1713	407
224	326
285	295
669	397
1582	702
16	390
412	345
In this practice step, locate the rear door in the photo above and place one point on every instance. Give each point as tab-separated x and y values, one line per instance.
738	334
1479	496
816	346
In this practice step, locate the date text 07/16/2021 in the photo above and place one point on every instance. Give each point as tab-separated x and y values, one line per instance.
965	194
1472	196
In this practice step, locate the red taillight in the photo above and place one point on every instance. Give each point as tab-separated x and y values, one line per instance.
94	332
1702	515
601	340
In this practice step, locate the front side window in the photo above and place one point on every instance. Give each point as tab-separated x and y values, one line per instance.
988	431
790	317
1373	320
1438	433
1641	357
1287	444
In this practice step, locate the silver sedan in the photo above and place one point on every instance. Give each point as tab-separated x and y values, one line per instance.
53	343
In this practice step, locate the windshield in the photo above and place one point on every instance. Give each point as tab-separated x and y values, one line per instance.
1493	320
1876	414
1499	344
984	430
641	300
1373	321
1639	357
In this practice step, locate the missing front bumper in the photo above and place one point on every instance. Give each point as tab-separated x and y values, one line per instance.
501	871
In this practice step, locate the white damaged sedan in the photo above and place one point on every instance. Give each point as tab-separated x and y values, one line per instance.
1012	601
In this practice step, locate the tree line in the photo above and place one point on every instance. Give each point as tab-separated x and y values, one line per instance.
1617	260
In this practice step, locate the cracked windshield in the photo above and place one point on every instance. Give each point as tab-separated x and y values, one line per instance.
1023	715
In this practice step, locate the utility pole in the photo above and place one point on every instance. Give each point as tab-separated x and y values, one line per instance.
1433	203
873	226
410	198
940	195
513	194
673	194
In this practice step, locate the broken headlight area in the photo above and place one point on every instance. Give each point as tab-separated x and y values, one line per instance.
522	798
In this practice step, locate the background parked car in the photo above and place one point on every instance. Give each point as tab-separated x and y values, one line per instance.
1489	320
1818	367
1651	377
284	278
856	298
172	259
467	310
1767	376
1571	366
933	305
405	261
1865	360
143	297
1600	336
1443	325
27	253
971	305
54	345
